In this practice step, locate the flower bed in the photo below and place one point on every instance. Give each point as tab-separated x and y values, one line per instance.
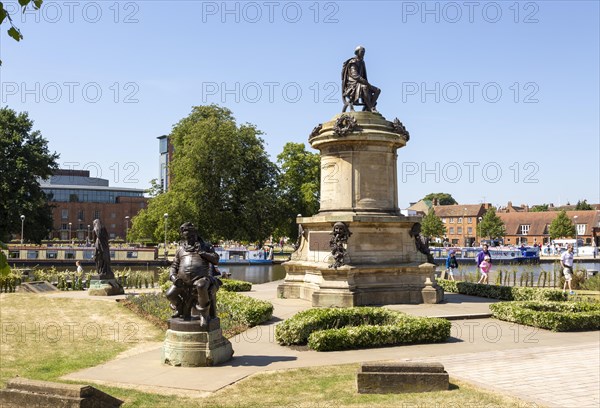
359	327
555	316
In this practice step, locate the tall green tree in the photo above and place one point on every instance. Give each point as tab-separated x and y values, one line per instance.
561	226
491	225
582	205
25	159
432	225
221	180
298	186
442	198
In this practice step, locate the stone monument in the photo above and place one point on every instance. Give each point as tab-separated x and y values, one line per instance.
359	249
104	283
194	337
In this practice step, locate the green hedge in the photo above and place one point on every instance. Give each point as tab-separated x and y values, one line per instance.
232	308
502	292
232	285
359	327
555	316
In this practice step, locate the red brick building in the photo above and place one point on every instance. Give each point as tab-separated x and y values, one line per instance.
78	199
461	222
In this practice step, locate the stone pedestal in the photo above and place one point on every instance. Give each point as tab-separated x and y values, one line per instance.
359	188
189	345
104	287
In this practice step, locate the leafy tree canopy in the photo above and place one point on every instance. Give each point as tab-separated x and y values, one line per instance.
432	225
491	225
26	158
298	185
221	180
582	205
561	226
442	198
540	208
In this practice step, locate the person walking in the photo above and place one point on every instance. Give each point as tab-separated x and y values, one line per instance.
79	267
451	264
566	261
485	267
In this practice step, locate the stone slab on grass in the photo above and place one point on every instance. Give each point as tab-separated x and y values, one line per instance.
401	377
21	392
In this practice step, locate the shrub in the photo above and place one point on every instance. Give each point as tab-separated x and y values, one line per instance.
555	316
232	285
592	283
233	309
359	327
502	292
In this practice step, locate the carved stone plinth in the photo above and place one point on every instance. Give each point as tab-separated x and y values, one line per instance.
189	345
104	287
359	188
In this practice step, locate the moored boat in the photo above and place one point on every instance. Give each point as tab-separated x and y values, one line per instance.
240	255
501	254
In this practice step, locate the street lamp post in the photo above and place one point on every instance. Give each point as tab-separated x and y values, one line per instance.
22	225
478	228
166	215
70	224
126	227
89	238
576	240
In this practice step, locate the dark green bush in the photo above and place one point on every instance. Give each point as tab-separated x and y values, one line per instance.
359	327
592	283
555	316
502	292
232	285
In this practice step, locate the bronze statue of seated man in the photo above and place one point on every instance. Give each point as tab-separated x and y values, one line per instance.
193	275
356	89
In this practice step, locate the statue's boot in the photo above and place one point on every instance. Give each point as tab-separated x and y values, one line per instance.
204	315
178	310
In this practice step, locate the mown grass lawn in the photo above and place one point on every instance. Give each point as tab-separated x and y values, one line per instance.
45	338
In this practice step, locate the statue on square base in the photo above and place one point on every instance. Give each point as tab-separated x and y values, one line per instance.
194	278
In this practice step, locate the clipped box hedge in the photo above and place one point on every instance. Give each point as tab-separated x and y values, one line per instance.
502	292
233	285
359	327
555	316
244	309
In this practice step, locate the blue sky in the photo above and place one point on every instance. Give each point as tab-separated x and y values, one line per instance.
501	98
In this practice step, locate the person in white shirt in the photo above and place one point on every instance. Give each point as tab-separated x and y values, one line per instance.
566	261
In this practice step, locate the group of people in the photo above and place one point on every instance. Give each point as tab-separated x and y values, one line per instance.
483	260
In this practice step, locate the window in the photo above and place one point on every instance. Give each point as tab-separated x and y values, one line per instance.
64	226
451	220
113	215
459	220
51	254
132	254
470	220
80	215
69	254
459	230
33	254
96	214
64	213
580	229
444	220
14	255
451	230
525	229
470	230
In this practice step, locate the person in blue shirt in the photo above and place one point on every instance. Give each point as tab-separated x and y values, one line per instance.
451	264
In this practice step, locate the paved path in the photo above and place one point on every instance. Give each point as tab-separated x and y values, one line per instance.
546	368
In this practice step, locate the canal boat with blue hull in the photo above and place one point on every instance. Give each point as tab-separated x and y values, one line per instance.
499	254
241	256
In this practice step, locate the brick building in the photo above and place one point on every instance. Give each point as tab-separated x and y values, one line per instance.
461	222
78	199
525	227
